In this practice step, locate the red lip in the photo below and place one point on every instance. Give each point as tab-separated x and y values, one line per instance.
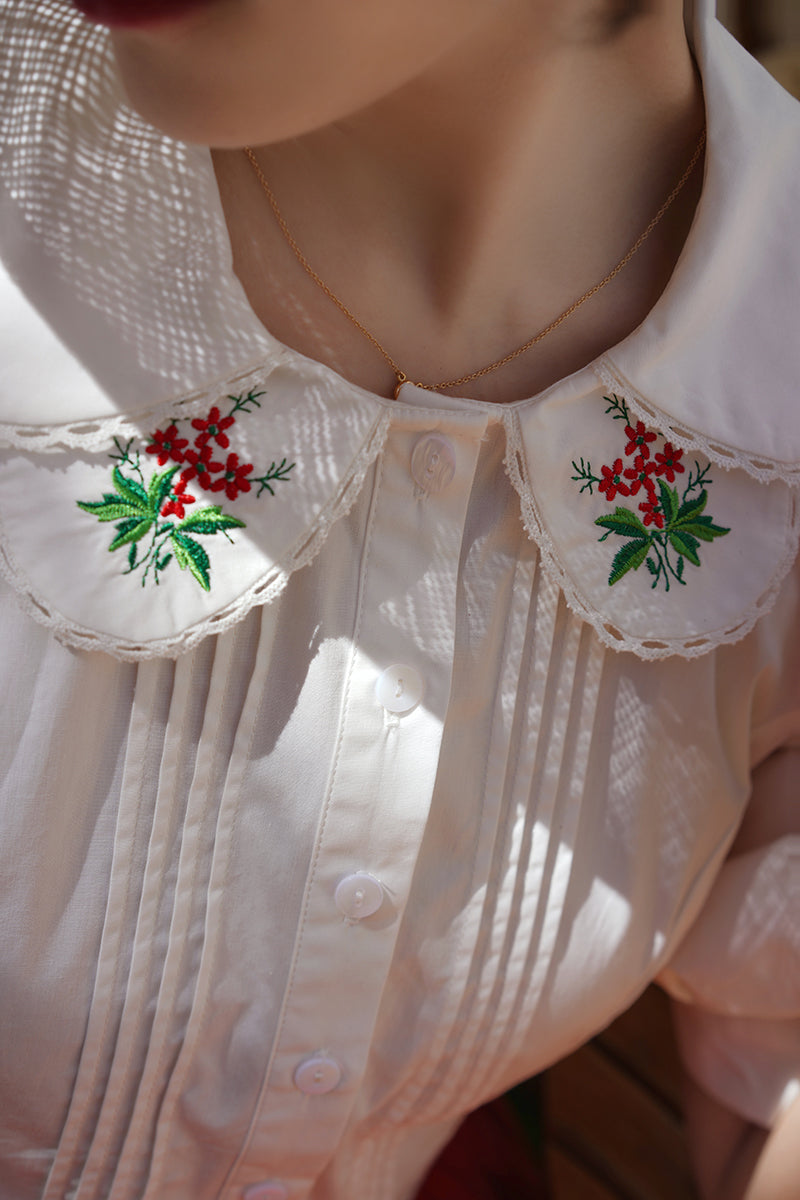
130	13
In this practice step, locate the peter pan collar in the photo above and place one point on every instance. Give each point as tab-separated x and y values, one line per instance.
717	361
128	324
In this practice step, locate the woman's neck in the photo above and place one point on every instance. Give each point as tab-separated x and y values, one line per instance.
464	211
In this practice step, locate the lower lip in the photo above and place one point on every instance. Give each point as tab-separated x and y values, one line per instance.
128	14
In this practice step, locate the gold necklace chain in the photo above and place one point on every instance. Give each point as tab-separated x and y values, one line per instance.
507	358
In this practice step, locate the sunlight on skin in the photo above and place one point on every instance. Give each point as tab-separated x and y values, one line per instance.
419	130
737	1161
777	1175
236	71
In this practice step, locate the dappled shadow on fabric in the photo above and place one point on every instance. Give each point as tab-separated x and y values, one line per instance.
88	184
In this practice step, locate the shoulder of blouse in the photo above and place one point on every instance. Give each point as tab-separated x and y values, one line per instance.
144	409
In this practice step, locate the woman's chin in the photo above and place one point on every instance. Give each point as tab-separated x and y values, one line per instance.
135	14
191	109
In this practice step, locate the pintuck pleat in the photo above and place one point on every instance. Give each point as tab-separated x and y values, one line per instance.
191	871
183	719
148	722
536	783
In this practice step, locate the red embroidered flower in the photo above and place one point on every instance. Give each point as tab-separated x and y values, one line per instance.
612	482
638	439
202	467
214	427
639	474
668	462
177	500
652	514
167	445
235	478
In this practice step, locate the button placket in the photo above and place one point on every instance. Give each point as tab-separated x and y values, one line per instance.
341	964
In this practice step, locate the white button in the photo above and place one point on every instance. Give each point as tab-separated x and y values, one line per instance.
266	1191
359	895
433	463
317	1075
399	688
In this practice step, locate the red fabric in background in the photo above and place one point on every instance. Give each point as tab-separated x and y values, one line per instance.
495	1155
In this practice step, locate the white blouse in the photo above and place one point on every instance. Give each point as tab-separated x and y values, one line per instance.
361	758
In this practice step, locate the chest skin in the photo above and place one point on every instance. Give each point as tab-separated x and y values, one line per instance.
294	309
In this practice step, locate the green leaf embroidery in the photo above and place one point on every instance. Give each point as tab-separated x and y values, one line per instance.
704	529
623	522
159	488
210	520
675	523
685	544
151	514
132	491
111	508
189	553
130	531
628	558
670	504
692	508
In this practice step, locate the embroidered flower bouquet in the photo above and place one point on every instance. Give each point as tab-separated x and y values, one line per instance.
673	523
151	513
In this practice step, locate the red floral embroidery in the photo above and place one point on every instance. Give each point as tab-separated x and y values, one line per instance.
668	462
612	482
149	511
167	445
178	499
202	466
674	526
235	478
214	428
640	476
652	514
638	439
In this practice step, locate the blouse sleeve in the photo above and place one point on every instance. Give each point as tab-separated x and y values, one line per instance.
736	976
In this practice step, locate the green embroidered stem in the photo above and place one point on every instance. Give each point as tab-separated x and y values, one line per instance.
240	403
271	475
702	479
585	476
161	535
663	568
123	455
618	408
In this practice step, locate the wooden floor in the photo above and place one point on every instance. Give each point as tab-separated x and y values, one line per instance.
613	1114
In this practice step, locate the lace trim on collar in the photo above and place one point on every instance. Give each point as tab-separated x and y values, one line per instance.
760	467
